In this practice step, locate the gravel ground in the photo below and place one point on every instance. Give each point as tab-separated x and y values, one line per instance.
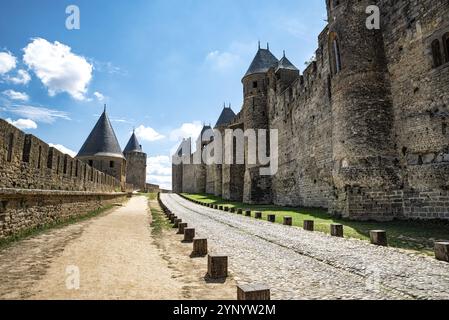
297	264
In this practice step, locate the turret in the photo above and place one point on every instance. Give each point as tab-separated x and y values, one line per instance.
286	73
257	188
226	117
136	165
102	151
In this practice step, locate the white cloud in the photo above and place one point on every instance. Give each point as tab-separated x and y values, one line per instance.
100	97
7	62
38	114
159	165
159	171
23	124
162	182
187	130
63	149
148	134
22	77
58	68
14	95
223	61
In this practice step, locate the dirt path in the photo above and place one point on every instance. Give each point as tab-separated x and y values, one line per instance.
117	258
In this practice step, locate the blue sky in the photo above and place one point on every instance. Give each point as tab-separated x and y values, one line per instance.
162	66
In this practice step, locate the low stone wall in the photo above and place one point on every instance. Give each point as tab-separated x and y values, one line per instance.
22	210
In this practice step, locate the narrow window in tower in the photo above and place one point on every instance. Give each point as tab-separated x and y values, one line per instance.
446	45
10	147
50	159
91	163
111	164
436	54
58	162
39	158
65	165
254	84
337	57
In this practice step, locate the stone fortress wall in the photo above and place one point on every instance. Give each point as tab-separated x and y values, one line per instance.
27	162
40	185
363	130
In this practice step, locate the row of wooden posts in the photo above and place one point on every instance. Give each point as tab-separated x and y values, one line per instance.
377	237
217	265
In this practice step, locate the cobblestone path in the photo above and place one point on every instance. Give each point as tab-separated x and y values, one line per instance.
297	264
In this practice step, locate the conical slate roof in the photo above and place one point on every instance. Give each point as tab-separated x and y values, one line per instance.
102	141
226	117
205	128
286	64
262	62
133	145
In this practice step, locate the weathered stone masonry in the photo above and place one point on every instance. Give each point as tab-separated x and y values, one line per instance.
363	131
40	185
22	210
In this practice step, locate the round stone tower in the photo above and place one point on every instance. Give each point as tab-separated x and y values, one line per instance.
364	154
136	164
257	188
102	151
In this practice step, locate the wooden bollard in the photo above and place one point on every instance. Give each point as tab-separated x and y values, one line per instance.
258	215
215	206
288	221
173	218
337	230
378	237
271	218
309	225
239	211
189	234
253	292
220	208
181	227
442	250
226	209
199	247
176	223
232	210
248	213
217	266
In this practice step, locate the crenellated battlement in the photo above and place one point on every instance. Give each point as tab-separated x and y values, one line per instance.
26	162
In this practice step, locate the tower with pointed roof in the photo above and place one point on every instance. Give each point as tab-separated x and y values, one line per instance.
286	73
136	163
226	117
257	188
199	167
102	151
